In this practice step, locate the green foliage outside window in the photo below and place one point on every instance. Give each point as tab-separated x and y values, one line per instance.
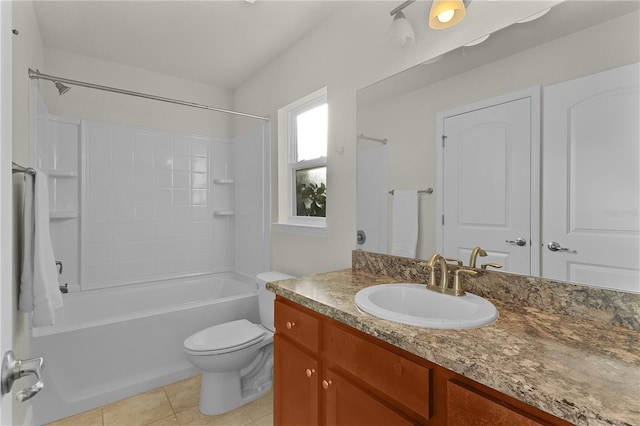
311	192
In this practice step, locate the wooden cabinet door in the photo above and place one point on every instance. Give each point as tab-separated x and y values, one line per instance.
467	406
347	404
295	386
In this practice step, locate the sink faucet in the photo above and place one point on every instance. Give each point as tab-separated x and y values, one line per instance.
444	271
474	256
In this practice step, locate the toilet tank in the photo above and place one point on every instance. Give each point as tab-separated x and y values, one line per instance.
266	298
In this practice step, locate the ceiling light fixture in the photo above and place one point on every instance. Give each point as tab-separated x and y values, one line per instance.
401	31
447	13
443	14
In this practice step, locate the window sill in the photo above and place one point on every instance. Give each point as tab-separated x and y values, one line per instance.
319	231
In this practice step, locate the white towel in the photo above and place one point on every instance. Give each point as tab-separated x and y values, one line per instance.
405	223
39	288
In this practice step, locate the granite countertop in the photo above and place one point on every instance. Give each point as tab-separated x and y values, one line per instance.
583	371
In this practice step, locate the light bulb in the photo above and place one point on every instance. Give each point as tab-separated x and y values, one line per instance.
446	13
446	16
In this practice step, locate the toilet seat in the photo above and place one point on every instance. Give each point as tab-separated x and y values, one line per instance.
224	338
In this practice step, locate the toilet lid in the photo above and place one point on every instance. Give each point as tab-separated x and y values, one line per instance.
226	337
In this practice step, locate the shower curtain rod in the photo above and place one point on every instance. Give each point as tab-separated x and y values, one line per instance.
17	168
38	75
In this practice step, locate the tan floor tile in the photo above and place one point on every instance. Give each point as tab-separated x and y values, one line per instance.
264	421
88	418
184	394
193	417
260	407
169	421
138	410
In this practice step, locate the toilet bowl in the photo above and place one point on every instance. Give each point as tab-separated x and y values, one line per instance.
236	358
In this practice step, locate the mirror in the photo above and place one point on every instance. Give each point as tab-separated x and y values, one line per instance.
397	117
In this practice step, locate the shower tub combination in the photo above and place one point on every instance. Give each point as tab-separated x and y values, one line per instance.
110	344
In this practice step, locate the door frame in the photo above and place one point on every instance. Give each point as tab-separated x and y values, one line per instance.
534	94
6	228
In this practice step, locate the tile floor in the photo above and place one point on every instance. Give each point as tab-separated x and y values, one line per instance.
172	405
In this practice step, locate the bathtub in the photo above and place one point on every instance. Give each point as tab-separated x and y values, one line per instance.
110	344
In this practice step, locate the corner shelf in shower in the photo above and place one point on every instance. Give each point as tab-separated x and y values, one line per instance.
224	213
224	181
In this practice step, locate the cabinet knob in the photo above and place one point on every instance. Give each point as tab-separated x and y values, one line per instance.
326	384
310	372
290	325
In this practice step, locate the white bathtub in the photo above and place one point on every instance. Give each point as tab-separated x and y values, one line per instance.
113	343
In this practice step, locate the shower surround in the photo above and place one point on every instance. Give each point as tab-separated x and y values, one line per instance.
152	210
161	233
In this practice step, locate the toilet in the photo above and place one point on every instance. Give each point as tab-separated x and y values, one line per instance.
236	358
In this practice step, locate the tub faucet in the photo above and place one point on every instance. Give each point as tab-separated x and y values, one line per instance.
474	256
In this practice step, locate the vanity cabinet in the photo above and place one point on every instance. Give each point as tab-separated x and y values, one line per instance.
297	387
327	373
466	405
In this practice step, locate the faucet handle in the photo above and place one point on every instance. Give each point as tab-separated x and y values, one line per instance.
457	288
492	265
450	259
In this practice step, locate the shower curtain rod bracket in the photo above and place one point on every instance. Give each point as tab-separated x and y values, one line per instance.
40	76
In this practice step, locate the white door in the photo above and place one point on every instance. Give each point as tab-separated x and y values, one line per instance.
6	288
487	184
591	180
372	193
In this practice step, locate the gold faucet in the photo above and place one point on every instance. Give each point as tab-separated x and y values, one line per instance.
493	265
474	255
443	287
457	287
444	271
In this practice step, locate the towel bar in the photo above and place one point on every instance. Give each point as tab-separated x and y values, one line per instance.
421	191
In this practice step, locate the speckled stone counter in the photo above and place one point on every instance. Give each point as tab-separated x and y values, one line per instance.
585	371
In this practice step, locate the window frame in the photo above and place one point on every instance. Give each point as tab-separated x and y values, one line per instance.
293	165
288	221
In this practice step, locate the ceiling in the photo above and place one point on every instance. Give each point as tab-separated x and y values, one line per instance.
219	43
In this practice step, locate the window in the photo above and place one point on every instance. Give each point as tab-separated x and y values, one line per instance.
303	161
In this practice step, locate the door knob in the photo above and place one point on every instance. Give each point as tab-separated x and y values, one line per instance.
553	246
13	369
326	384
517	242
310	372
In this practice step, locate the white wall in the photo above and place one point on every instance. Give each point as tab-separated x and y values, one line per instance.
98	105
347	52
409	120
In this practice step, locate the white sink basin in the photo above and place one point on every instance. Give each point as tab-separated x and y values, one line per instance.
413	304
